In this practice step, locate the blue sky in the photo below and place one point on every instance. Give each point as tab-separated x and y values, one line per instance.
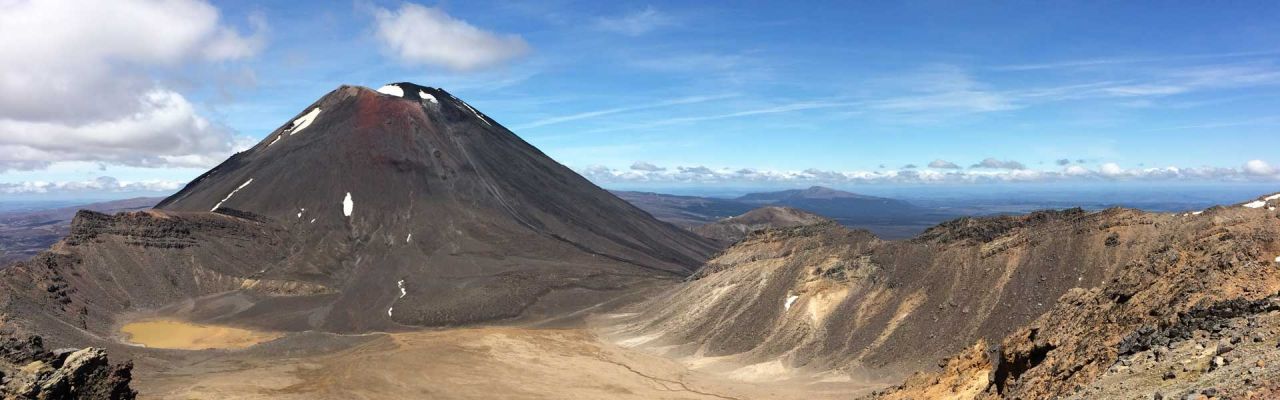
671	93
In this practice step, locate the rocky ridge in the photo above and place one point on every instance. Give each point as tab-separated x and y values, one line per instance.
1170	322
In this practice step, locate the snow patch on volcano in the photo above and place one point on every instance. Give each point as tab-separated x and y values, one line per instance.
400	284
394	90
428	97
304	121
790	299
348	205
233	193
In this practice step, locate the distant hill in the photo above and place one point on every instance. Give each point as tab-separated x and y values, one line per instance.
812	193
685	211
733	229
25	233
887	218
838	205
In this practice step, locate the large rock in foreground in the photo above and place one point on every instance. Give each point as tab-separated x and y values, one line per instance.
28	371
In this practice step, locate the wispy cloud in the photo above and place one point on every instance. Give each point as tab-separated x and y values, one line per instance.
1219	124
778	109
963	101
1227	75
635	23
1144	90
1130	60
938	90
619	110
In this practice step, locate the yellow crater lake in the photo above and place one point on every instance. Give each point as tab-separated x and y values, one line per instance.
172	334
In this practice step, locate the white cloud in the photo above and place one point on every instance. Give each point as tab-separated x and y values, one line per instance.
636	23
164	130
1259	168
428	36
1076	170
1111	170
101	184
74	84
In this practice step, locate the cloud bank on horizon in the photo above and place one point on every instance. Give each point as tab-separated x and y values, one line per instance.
143	95
939	172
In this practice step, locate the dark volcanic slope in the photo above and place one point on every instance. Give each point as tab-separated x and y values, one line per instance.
367	211
733	229
409	163
24	234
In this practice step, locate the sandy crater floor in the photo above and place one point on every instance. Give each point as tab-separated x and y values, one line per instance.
470	363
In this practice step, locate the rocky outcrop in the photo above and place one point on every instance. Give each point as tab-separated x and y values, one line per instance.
964	376
28	371
986	229
1201	275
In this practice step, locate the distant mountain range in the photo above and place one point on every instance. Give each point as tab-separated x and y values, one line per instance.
886	217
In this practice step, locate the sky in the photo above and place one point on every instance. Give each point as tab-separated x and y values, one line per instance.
106	99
